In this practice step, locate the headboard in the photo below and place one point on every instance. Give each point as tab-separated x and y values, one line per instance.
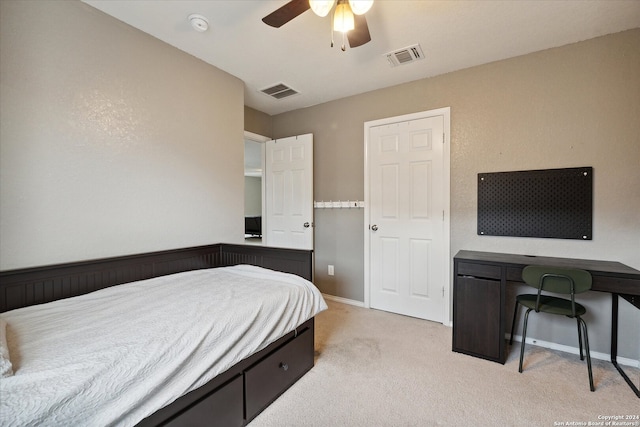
37	285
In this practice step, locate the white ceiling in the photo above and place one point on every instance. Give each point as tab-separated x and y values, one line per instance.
453	35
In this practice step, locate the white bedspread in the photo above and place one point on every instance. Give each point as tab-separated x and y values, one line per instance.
115	356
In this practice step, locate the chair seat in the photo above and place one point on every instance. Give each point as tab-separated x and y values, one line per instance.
552	305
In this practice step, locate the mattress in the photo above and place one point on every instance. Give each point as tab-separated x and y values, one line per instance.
115	356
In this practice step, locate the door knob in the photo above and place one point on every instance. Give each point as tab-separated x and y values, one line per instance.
374	227
306	225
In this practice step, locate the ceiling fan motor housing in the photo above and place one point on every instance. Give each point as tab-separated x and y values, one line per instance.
357	35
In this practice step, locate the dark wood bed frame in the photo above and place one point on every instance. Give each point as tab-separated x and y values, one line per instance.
234	397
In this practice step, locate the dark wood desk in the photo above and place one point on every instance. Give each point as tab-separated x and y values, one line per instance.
480	279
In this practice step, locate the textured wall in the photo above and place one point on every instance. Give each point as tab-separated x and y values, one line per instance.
111	142
576	105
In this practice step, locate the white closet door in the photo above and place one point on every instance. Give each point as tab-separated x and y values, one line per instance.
407	262
289	192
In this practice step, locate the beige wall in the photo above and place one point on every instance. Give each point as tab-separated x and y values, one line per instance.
257	122
111	142
578	105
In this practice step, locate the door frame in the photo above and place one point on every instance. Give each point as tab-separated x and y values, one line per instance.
446	113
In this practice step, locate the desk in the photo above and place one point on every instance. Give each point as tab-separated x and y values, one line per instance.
480	279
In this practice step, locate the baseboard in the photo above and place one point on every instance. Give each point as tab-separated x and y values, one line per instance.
344	300
361	304
574	350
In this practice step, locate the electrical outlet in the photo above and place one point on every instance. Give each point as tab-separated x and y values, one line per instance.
330	270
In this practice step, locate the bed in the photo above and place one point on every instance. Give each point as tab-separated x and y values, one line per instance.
156	363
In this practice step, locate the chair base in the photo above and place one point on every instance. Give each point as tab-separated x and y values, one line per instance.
582	336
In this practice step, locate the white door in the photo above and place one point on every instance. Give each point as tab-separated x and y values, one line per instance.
289	192
408	264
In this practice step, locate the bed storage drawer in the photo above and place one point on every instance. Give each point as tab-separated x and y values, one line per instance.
223	408
269	378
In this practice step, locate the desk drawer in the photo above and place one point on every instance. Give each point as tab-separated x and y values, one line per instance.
618	285
514	274
485	271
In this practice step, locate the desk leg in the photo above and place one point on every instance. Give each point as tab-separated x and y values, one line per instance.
614	343
614	328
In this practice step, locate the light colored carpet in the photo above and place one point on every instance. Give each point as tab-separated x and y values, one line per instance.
380	369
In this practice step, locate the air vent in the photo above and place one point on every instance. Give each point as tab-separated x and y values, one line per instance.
279	91
405	55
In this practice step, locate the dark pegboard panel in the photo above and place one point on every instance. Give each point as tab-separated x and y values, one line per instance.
550	203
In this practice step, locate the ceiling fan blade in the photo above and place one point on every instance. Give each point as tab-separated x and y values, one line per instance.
286	13
360	33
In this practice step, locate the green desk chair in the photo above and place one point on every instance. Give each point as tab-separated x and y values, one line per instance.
560	281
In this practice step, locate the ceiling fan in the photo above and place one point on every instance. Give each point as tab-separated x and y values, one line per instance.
348	17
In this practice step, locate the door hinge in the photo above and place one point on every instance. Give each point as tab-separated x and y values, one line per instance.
443	292
443	138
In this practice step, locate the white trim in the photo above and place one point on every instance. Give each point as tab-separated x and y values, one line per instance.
574	350
446	113
367	237
344	300
255	137
447	316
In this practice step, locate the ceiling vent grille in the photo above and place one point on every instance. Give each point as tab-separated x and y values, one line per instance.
279	91
404	56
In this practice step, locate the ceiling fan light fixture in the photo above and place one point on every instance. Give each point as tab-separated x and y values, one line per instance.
343	20
360	7
321	7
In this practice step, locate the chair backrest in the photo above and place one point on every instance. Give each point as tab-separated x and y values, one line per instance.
556	279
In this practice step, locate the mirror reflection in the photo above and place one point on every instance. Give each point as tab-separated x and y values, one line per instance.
253	197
